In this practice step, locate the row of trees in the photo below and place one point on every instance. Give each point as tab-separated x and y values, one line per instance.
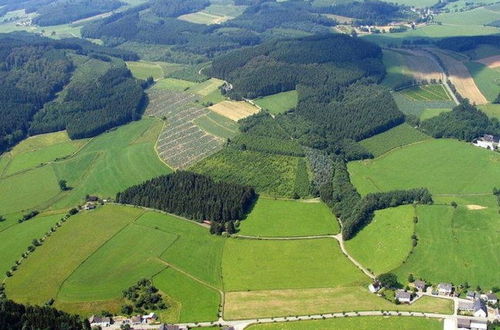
193	196
355	211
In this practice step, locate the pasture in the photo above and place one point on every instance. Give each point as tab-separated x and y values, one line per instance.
487	79
434	92
433	112
447	249
234	110
216	13
291	302
174	84
396	137
217	125
198	302
144	70
397	72
278	103
385	242
274	217
357	323
491	110
271	175
253	265
418	108
444	166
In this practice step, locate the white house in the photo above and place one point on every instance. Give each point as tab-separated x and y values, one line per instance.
99	321
374	287
489	142
403	296
151	317
480	308
491	298
445	289
478	325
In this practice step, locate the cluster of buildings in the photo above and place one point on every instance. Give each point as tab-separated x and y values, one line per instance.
487	141
137	320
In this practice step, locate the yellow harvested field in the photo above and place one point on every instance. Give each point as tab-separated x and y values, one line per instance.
460	76
492	62
270	303
421	65
473	207
234	110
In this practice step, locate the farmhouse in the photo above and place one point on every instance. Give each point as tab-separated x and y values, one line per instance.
466	306
471	295
489	142
445	289
419	285
89	206
491	298
403	296
374	287
480	308
98	321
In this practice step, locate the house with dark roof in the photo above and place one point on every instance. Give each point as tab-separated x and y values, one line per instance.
419	285
403	296
491	298
445	289
471	295
466	306
480	309
99	321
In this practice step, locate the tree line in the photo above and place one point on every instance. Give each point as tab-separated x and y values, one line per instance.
354	211
193	196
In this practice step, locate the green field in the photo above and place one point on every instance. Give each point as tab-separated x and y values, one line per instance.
492	110
357	323
448	249
198	302
278	103
217	125
273	175
271	217
385	243
476	17
174	84
444	166
286	264
433	112
395	66
427	93
418	108
209	91
486	79
396	137
144	70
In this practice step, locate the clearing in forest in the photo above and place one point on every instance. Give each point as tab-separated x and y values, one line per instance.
144	70
234	110
434	92
275	217
278	103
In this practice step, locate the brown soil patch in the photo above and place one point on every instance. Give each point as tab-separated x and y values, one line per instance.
473	207
492	62
234	110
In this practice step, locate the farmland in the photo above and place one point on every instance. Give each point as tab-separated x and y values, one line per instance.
357	323
293	264
492	110
478	264
271	217
174	84
433	112
443	166
487	79
272	175
214	14
418	108
427	93
234	110
181	143
217	125
385	243
144	70
269	303
278	103
396	137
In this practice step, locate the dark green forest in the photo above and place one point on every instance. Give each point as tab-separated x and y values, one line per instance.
193	196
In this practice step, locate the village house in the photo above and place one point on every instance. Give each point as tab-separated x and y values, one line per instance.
99	321
149	318
466	306
478	325
136	319
445	289
463	324
471	295
374	287
491	298
170	327
403	296
480	309
89	206
419	285
489	142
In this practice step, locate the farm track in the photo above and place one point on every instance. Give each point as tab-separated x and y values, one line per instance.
181	143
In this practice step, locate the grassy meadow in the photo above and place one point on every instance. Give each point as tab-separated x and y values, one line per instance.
418	108
271	217
286	264
443	166
433	112
434	92
385	242
144	70
278	103
491	110
448	248
396	137
217	125
486	79
357	323
174	84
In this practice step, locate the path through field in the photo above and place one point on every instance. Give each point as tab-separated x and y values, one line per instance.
181	143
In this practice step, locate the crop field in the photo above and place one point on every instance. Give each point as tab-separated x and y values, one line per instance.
234	110
15	238
460	77
198	302
492	110
420	65
207	87
418	108
385	243
181	143
272	175
214	14
217	125
195	251
174	84
444	166
286	264
447	248
487	79
491	62
144	70
357	323
396	137
291	302
433	112
278	103
274	217
427	93
40	278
